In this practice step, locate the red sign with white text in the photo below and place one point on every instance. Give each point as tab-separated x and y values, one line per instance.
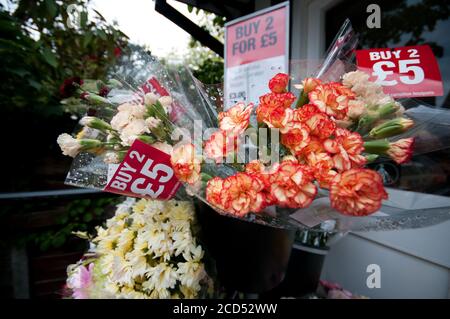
257	38
145	172
410	71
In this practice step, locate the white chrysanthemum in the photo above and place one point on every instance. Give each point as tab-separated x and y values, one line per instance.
139	262
190	274
105	263
121	271
130	293
193	253
69	145
125	241
187	292
140	205
160	294
182	241
153	207
125	207
162	276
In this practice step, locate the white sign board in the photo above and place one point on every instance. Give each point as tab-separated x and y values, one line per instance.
256	48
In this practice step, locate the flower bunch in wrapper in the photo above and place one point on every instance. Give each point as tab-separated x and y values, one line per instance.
327	136
147	250
331	133
147	121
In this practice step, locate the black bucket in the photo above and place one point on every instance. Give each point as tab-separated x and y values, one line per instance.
250	257
303	273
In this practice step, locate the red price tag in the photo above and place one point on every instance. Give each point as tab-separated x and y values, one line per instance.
403	72
145	172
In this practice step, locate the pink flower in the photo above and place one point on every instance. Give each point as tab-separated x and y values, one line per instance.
80	281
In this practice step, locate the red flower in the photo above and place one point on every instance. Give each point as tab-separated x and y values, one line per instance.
117	52
322	165
357	192
214	189
103	91
69	86
274	100
278	117
278	83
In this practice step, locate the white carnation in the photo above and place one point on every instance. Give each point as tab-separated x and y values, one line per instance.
69	145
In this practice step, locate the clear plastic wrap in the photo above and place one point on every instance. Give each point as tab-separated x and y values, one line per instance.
184	111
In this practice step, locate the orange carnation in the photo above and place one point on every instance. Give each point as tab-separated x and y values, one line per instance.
291	185
219	145
242	194
213	192
295	136
278	83
357	192
321	125
331	99
185	163
236	119
347	148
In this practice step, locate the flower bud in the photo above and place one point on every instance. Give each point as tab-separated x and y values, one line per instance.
278	83
146	139
401	150
96	123
391	128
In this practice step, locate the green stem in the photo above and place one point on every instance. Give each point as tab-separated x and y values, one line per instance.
302	100
377	146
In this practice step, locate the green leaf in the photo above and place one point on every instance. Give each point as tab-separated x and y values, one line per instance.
51	9
83	19
50	57
58	240
88	217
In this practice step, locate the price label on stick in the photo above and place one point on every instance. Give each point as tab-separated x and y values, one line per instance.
144	172
403	72
256	48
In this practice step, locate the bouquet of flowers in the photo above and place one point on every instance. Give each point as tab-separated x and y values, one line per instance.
320	141
147	250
